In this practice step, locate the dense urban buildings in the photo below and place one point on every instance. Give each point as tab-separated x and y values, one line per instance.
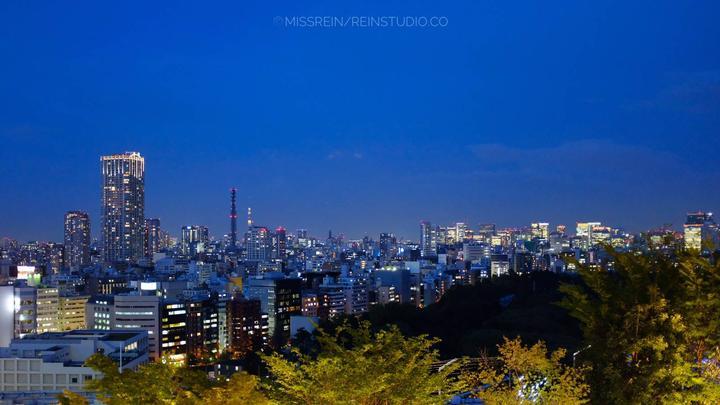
204	300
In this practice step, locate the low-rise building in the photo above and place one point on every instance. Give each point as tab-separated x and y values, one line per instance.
51	362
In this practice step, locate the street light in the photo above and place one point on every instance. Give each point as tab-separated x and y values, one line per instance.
578	352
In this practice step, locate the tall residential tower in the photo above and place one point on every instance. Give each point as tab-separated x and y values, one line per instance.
123	207
77	239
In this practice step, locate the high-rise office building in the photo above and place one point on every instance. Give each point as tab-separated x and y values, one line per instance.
279	298
540	230
427	240
700	231
258	245
173	330
387	245
202	327
77	239
461	232
123	207
132	311
194	239
584	231
153	237
247	325
279	244
486	232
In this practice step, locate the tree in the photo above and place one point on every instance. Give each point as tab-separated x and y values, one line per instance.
162	383
153	383
356	366
523	374
651	326
72	398
242	389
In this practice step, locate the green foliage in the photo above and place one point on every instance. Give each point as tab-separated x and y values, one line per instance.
152	383
71	398
162	383
242	389
469	318
356	366
523	374
652	326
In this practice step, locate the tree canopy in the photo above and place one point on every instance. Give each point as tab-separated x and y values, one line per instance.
162	383
524	374
357	366
652	328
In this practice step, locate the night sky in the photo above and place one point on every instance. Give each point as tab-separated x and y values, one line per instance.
515	112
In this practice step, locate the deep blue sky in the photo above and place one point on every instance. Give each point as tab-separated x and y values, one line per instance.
516	111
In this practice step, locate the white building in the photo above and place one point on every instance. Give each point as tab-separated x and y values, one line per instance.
18	312
49	363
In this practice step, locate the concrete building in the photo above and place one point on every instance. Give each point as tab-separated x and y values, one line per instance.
135	311
173	330
279	298
100	312
247	325
47	309
71	312
18	315
52	362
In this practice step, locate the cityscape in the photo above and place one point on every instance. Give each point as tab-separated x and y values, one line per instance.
359	203
145	293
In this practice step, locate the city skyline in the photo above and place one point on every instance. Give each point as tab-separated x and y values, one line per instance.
232	227
375	202
508	114
219	232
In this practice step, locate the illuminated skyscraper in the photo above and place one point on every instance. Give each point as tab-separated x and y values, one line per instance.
428	243
153	236
258	244
584	230
194	239
279	244
540	230
461	230
77	239
123	207
701	232
387	245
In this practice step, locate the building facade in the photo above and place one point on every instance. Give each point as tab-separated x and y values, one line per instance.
123	207
77	239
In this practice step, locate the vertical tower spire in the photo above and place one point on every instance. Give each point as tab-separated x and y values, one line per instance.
233	218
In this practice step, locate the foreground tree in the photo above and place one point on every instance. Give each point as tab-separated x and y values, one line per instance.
242	389
652	328
523	374
162	383
356	366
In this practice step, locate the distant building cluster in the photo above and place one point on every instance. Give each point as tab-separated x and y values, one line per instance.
139	293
